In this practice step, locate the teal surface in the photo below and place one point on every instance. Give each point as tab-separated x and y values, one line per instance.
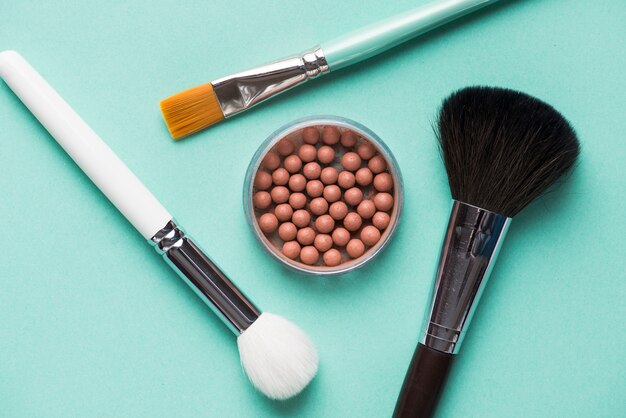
93	324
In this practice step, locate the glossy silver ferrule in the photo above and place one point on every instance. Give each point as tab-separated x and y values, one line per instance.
241	91
205	278
469	251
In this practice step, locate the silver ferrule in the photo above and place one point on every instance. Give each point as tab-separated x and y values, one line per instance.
205	278
469	251
241	91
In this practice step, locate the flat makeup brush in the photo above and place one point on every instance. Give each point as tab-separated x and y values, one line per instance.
502	149
200	107
277	356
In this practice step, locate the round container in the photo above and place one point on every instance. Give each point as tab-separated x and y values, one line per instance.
283	172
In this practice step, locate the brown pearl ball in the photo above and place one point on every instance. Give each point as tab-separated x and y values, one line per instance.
271	161
324	224
329	175
383	201
306	236
341	236
355	248
301	218
285	147
280	177
280	194
325	154
318	206
351	161
283	212
312	170
321	200
346	179
366	150
314	188
287	231
370	235
352	221
291	250
338	210
332	257
293	163
363	176
323	242
268	223
377	164
297	200
309	255
332	193
330	135
311	135
297	183
353	196
383	182
348	139
307	153
381	220
262	200
263	180
366	209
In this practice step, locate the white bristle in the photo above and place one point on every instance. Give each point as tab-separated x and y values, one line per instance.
278	357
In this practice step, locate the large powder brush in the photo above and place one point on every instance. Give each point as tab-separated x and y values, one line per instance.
502	149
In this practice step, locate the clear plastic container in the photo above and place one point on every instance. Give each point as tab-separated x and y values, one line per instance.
271	243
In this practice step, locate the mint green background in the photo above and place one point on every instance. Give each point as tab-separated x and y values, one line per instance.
93	324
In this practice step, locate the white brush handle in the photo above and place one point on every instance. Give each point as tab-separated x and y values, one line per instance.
92	155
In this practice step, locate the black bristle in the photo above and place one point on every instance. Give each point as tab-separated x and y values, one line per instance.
503	148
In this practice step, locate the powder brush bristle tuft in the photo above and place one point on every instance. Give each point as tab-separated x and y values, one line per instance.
503	148
191	111
278	357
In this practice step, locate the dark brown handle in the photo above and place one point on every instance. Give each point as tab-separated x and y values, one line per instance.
423	383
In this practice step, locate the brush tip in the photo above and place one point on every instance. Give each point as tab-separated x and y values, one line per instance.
191	111
503	148
278	357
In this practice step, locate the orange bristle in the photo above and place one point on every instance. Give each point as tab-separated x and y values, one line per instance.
191	111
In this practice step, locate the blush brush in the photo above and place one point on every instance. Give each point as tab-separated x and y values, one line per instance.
278	357
502	149
199	107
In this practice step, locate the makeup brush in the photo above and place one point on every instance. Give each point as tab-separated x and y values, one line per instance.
277	356
502	149
200	107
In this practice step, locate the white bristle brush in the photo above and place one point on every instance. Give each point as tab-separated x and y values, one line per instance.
278	357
